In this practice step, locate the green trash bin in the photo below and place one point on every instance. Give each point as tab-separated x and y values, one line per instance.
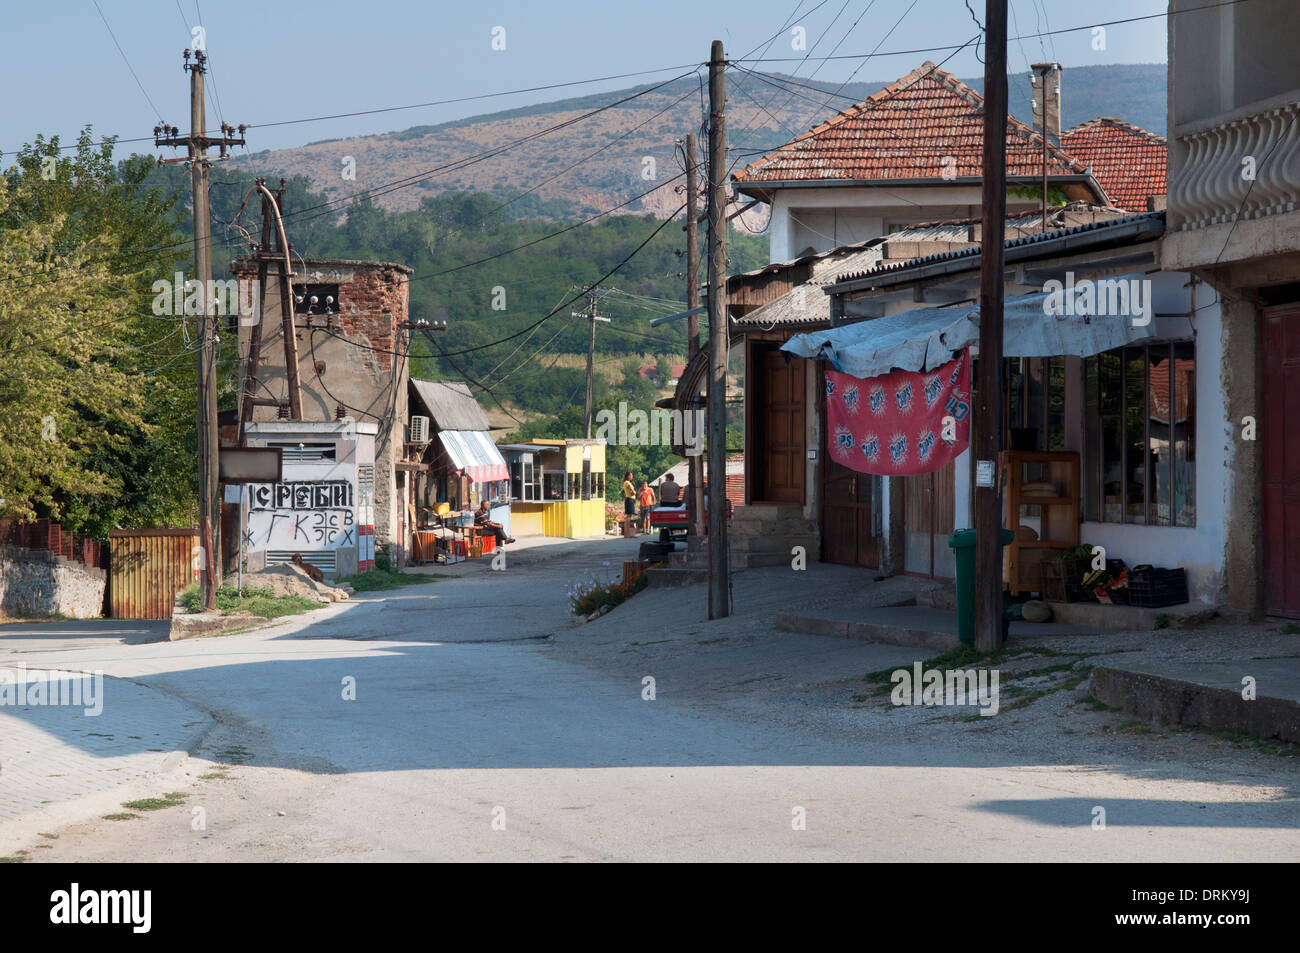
962	544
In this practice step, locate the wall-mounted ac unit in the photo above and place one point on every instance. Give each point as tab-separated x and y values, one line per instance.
419	429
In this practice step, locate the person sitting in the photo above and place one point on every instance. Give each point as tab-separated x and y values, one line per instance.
670	493
482	521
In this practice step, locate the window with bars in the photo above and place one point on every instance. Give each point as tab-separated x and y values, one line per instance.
1139	458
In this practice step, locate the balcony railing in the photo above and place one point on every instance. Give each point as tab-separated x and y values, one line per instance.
1248	167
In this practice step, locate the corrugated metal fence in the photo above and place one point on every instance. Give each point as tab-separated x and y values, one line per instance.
147	569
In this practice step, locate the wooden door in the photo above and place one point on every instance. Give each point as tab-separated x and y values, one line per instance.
1280	450
928	500
783	429
848	517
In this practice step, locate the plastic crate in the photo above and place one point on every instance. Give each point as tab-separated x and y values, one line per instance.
1153	588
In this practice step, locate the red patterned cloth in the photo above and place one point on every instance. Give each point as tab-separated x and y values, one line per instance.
895	424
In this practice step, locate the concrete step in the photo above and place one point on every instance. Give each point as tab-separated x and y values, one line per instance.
778	529
1206	694
767	511
776	542
671	577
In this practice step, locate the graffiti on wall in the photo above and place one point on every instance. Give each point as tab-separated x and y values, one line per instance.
312	514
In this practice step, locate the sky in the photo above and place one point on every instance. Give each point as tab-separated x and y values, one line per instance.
272	61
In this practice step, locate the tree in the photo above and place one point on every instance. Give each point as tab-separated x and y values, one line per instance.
96	399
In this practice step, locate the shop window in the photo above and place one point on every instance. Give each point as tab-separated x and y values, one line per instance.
1035	402
553	485
1139	461
525	479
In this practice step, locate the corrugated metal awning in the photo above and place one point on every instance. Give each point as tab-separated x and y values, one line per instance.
473	452
1034	325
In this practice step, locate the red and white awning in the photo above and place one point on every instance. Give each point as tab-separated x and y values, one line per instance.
473	453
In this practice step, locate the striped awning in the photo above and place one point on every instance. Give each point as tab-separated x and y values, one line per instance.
473	453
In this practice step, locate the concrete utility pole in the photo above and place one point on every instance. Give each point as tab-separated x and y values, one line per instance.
197	144
592	317
695	464
987	436
719	583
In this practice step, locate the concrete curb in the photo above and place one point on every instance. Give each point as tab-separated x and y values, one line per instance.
1159	698
867	632
192	625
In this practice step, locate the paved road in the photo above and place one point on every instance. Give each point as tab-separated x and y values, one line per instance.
485	726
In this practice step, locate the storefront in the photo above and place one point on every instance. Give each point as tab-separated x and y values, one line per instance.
557	487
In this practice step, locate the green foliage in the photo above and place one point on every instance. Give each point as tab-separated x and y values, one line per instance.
255	601
376	580
96	400
592	595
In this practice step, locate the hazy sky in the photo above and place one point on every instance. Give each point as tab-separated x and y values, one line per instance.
273	60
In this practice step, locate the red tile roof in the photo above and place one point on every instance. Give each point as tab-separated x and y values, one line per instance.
1127	161
906	131
736	488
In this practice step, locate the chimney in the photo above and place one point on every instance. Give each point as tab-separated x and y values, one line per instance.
1047	76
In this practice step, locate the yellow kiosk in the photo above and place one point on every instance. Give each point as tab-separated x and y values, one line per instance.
557	487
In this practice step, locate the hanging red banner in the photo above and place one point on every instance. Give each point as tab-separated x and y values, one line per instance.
901	423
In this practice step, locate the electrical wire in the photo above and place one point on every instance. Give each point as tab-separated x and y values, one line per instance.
125	60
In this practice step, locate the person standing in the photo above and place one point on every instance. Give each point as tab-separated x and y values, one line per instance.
629	499
647	500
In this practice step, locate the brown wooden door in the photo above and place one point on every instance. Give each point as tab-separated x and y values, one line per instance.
783	429
1280	450
848	517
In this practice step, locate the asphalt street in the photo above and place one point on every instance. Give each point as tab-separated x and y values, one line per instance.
470	719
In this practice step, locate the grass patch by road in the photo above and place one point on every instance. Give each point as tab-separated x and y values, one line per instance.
171	799
379	580
1018	686
255	601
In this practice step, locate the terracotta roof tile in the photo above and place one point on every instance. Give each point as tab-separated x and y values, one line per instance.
905	131
1127	161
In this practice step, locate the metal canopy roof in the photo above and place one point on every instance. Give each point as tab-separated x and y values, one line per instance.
473	452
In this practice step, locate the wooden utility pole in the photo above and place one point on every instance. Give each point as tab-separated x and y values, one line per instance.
987	436
197	143
592	318
719	583
255	332
694	464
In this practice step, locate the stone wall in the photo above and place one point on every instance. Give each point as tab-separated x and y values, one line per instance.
38	583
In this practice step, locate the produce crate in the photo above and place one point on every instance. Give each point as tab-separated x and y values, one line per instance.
1154	588
1076	591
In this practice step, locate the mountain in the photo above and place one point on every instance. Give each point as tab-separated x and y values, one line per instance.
607	156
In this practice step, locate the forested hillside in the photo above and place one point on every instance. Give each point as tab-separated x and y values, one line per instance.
471	251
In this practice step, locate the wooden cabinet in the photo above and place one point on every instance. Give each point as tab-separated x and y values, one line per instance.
1041	490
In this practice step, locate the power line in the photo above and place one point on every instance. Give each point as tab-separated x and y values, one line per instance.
1024	36
157	114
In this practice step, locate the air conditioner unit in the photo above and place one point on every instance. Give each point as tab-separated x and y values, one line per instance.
419	429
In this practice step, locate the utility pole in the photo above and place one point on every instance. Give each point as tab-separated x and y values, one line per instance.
719	583
197	144
695	464
592	296
987	436
255	333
